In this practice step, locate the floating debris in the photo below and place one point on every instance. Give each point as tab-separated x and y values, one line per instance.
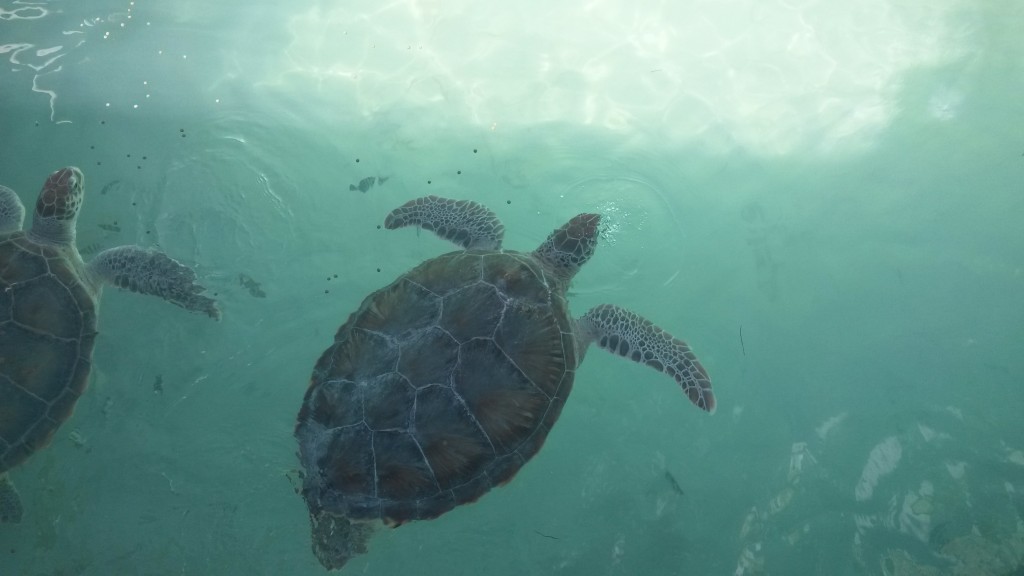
111	227
252	286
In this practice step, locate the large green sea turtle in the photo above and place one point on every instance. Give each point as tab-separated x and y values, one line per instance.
445	382
48	305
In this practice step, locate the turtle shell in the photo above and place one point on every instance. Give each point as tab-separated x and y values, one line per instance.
47	328
438	388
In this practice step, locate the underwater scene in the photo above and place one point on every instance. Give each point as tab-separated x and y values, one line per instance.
298	288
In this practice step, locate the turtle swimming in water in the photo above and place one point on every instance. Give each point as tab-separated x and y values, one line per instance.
48	304
443	384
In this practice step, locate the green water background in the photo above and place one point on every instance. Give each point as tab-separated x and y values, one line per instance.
878	275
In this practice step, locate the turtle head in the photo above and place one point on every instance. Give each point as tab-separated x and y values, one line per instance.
569	247
58	205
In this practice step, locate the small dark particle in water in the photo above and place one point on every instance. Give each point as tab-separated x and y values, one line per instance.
327	291
378	269
742	346
110	227
474	150
459	172
546	535
508	201
364	184
673	483
429	182
158	384
251	285
129	155
378	226
335	275
357	160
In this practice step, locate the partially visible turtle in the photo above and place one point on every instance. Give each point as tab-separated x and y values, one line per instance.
48	305
445	382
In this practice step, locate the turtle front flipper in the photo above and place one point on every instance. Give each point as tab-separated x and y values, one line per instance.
464	222
149	271
10	503
628	334
12	211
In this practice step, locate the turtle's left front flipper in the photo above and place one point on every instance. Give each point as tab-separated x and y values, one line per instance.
149	271
628	334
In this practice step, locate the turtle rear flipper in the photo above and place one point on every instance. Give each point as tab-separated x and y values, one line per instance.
10	503
149	271
336	539
628	334
464	222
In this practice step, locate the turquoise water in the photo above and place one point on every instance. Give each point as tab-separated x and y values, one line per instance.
824	202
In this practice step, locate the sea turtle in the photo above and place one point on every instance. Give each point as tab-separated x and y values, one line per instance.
445	382
48	305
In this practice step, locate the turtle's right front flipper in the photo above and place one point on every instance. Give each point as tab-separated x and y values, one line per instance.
464	222
149	271
630	335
